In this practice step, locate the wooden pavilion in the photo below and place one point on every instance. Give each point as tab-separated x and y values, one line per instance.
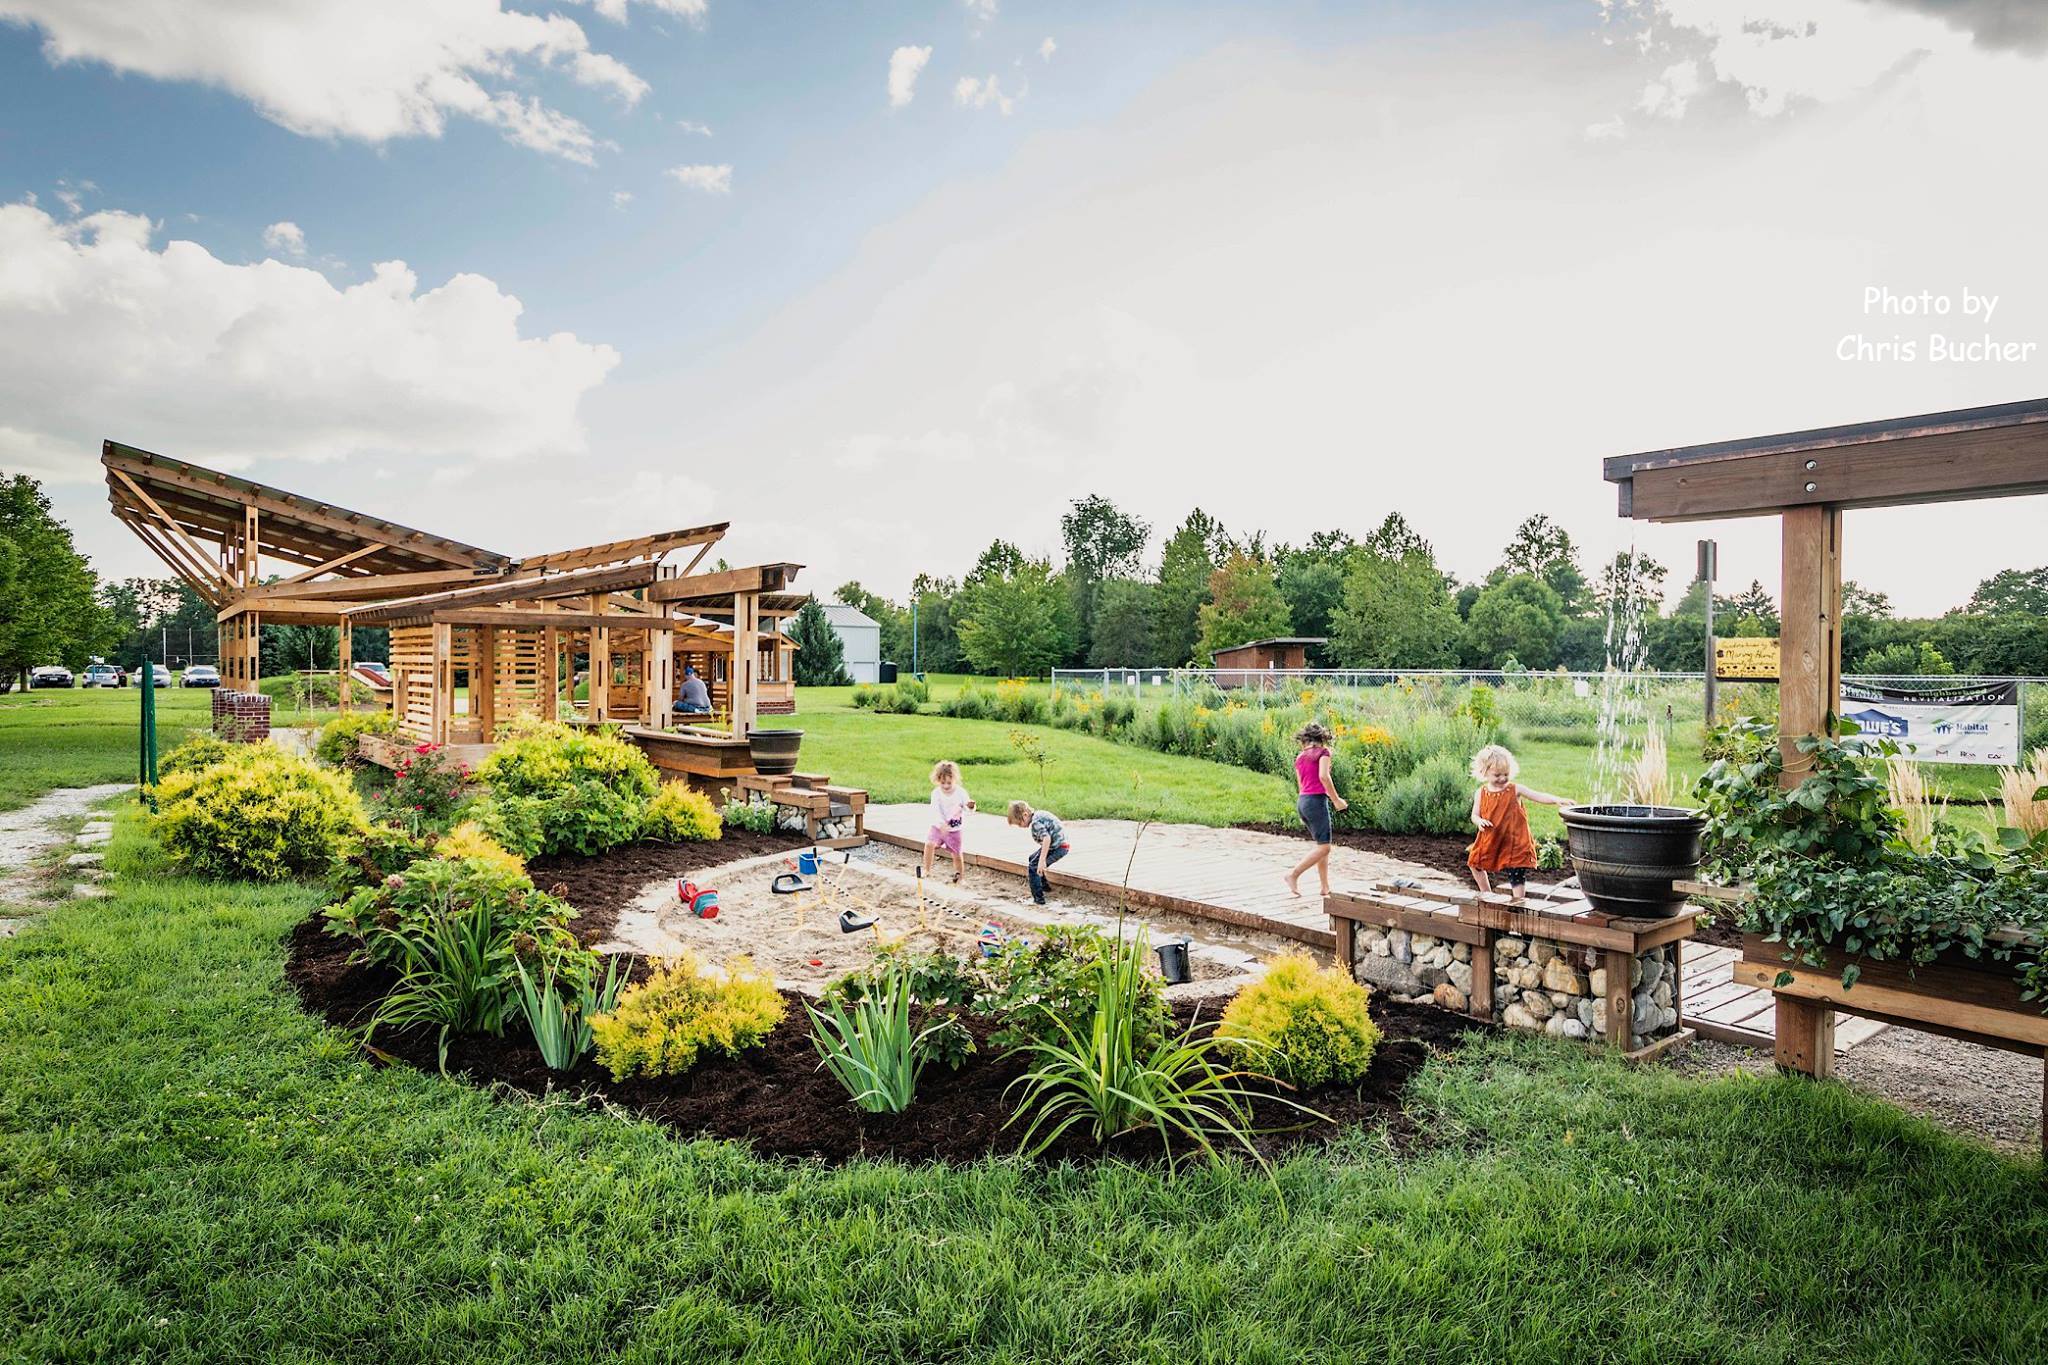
1808	479
478	636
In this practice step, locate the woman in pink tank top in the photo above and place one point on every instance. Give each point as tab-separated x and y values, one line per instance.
1317	803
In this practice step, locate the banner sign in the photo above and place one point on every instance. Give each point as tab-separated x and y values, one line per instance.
1741	660
1936	723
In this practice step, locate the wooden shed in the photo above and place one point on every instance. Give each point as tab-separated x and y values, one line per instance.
600	633
1256	663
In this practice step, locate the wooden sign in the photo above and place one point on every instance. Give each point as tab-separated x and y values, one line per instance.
1746	660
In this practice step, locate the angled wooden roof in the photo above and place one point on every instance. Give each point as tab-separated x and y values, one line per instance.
208	505
1988	452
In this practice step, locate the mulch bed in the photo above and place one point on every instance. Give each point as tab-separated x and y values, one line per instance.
779	1099
602	884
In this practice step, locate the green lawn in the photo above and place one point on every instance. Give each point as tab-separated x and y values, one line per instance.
194	1169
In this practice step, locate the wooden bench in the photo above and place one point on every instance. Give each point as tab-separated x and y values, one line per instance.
814	795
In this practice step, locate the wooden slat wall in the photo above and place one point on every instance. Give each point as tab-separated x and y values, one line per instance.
521	675
412	681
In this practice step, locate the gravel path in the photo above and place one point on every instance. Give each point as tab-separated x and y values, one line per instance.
26	835
1976	1091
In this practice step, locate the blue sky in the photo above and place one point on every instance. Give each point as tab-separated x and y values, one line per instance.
1290	261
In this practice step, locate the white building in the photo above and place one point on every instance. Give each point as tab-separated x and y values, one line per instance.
861	637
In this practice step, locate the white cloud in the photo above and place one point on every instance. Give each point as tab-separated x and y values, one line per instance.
1607	130
370	70
1046	49
286	236
105	334
621	198
710	179
1667	96
71	196
970	93
904	65
981	13
701	129
692	10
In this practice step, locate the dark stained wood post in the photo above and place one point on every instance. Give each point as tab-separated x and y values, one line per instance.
1810	636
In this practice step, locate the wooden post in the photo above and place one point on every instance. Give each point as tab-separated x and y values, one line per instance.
1479	1000
252	568
746	661
443	705
1810	638
600	663
343	663
483	678
1805	1036
551	673
1621	999
1345	931
658	692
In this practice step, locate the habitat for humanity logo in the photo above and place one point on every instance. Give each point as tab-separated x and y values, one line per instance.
1881	724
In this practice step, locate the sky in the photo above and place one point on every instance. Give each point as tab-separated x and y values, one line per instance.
881	283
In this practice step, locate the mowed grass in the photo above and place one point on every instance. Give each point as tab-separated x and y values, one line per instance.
78	737
194	1169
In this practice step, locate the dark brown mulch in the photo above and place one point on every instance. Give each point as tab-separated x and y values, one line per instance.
779	1099
602	884
1442	852
1717	929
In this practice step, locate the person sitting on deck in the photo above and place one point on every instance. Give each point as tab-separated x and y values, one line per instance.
1050	836
695	699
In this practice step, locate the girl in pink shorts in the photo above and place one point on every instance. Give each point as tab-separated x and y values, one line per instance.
950	804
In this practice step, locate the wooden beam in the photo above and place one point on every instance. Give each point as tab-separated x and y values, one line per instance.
516	616
1947	457
1810	637
724	584
374	588
745	666
331	565
611	552
599	706
595	582
169	522
211	585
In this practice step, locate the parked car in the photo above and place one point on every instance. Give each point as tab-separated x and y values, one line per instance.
200	675
104	675
159	676
51	675
378	670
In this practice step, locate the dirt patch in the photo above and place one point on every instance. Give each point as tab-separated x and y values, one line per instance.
603	884
779	1099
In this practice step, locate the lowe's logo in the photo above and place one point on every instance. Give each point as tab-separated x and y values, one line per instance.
1881	724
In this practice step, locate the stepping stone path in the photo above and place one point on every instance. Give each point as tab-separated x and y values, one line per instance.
28	835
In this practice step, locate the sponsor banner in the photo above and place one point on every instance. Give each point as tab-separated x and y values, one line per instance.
1933	723
1744	660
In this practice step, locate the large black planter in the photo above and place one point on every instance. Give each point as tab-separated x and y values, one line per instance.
774	751
1627	857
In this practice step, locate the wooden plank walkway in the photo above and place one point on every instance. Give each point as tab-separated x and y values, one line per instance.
1719	1007
1230	876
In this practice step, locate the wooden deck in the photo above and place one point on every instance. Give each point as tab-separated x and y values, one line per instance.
1720	1007
1230	876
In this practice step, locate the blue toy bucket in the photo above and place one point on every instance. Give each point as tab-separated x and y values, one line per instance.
807	864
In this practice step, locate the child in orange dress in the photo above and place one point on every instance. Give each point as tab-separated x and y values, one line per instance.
1504	846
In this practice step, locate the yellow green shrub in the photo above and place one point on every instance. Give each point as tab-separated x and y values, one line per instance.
264	816
337	742
681	816
468	841
1303	1023
661	1027
200	751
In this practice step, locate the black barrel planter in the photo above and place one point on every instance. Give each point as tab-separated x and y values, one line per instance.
774	751
1627	857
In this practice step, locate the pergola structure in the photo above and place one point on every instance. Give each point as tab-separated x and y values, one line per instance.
1808	479
467	624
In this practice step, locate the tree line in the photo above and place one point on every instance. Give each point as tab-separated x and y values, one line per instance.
1381	600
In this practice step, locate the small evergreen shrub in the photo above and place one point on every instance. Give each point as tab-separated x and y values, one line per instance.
1433	798
755	818
337	743
661	1027
1037	987
1303	1023
200	751
381	851
467	840
563	792
262	817
681	816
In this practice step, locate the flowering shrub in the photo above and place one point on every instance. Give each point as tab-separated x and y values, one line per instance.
377	853
337	742
746	815
1303	1023
427	788
261	815
661	1027
680	816
1037	987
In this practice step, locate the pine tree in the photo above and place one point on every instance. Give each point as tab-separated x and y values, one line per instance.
820	653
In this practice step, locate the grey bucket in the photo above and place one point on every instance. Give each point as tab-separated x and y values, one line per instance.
1173	961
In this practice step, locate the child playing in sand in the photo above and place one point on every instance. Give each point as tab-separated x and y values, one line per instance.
1050	836
1504	846
950	804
